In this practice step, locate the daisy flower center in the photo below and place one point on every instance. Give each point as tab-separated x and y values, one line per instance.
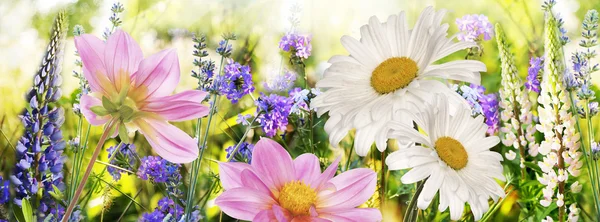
452	152
393	74
297	197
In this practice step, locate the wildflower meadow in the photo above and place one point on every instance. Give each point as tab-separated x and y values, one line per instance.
265	110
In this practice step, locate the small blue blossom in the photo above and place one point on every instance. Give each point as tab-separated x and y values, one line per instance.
244	152
224	49
236	81
4	191
244	119
281	83
595	150
482	104
168	211
273	111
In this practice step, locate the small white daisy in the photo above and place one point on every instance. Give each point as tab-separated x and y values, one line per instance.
453	154
390	67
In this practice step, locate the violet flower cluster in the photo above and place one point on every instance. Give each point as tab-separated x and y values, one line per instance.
158	170
4	191
272	112
301	98
168	211
482	104
125	157
534	74
474	26
236	81
298	45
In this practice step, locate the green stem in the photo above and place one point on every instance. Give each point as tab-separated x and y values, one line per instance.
350	156
412	210
237	146
382	181
88	170
596	185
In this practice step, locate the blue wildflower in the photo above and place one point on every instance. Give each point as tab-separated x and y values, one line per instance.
4	191
474	26
272	112
236	82
482	104
244	152
125	157
168	211
243	119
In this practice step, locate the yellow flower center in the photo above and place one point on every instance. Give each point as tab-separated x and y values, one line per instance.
451	152
297	197
393	74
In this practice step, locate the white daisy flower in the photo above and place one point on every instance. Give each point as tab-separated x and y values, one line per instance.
387	69
453	154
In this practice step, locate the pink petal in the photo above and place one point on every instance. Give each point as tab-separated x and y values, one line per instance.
281	214
243	203
272	163
265	215
179	107
157	76
308	168
168	141
231	174
91	51
122	57
309	219
249	179
354	187
321	182
353	214
88	102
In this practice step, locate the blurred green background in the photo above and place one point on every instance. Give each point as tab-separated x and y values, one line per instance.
156	25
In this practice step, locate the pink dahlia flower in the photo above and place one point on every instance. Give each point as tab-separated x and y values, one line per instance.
276	188
133	92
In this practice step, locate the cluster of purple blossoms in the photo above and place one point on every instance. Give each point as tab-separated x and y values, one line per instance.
206	68
158	170
168	211
272	112
244	152
482	104
473	26
39	159
299	45
533	77
281	83
243	119
236	81
125	157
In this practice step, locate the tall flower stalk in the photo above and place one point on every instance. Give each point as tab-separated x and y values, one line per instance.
206	73
517	118
38	171
560	147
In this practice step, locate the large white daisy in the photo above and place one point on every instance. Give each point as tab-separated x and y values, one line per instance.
453	154
390	66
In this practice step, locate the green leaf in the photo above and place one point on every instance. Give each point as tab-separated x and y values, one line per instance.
27	211
123	133
533	166
18	214
108	105
99	110
56	193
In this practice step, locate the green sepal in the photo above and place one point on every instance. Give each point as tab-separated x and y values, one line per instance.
108	105
99	110
126	113
123	133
